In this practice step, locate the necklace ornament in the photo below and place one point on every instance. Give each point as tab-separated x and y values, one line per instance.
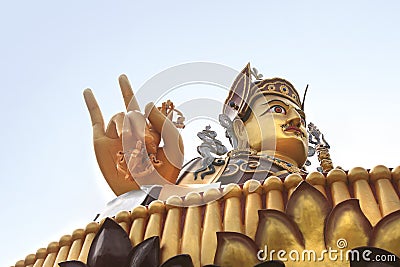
284	164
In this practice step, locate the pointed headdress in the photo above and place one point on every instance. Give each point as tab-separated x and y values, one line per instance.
244	91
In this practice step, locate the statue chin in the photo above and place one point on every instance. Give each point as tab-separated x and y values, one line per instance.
293	148
288	147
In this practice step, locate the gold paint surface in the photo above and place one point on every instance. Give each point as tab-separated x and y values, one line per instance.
236	255
170	240
154	226
348	222
309	214
386	233
339	192
274	200
50	259
290	146
61	255
235	250
368	204
233	215
191	236
253	204
86	247
387	196
274	230
75	250
212	224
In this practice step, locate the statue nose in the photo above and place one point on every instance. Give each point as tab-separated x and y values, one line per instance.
293	117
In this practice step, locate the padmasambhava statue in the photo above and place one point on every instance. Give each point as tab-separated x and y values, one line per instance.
268	134
266	210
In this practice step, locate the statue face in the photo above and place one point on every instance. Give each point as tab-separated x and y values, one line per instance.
277	124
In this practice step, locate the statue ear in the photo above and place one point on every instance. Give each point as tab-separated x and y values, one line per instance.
241	134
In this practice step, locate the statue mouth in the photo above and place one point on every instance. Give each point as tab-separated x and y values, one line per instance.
293	129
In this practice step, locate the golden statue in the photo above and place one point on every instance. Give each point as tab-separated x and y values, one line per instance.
279	147
266	210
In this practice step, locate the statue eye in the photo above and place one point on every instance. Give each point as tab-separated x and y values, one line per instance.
277	109
303	121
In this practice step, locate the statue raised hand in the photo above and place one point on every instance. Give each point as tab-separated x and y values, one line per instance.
128	151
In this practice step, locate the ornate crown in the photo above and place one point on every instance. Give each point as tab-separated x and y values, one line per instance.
244	91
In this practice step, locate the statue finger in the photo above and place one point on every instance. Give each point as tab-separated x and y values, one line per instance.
133	130
130	101
95	114
163	125
114	128
173	143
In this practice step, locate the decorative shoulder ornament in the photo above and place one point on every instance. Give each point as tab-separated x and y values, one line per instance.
210	146
321	146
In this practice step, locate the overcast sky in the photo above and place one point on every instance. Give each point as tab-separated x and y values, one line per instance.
50	51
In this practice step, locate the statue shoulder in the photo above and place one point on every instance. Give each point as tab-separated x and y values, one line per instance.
200	171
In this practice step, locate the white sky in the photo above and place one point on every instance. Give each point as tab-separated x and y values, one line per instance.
348	51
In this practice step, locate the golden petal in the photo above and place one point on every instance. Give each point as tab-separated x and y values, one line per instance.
308	208
386	233
235	249
347	227
272	226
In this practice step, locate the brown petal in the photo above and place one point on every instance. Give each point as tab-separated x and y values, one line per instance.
235	249
182	260
347	223
110	247
146	253
72	264
308	208
271	264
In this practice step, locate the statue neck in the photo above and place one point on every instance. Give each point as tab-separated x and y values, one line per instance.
278	155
